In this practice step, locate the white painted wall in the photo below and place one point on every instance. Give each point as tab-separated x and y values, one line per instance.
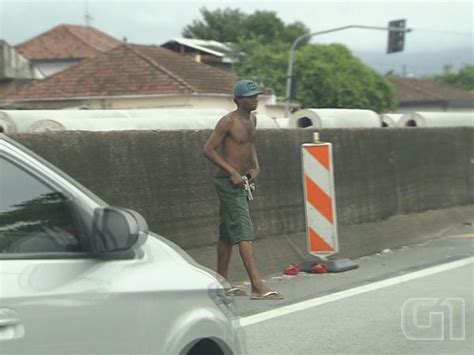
207	101
50	68
14	66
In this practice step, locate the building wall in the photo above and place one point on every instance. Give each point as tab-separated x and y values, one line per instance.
421	108
15	66
437	107
225	102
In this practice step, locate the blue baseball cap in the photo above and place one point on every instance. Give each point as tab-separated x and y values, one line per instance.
246	88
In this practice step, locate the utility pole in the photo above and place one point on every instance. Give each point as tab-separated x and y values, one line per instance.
289	81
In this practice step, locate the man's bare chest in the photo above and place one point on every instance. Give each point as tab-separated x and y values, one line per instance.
242	132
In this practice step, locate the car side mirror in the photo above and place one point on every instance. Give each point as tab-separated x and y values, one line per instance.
117	232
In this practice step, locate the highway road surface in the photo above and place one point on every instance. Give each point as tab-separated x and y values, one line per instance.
418	299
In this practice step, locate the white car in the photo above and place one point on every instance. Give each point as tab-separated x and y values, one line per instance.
79	276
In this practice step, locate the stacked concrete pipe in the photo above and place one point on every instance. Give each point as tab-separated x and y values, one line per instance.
334	118
437	119
36	121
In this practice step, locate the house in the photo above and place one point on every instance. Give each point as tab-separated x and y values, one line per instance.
15	70
65	45
135	76
428	95
217	54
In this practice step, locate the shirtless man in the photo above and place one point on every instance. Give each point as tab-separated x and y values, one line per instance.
235	135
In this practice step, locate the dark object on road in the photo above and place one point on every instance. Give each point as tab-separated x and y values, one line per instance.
341	265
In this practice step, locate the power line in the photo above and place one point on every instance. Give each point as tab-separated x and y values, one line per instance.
443	31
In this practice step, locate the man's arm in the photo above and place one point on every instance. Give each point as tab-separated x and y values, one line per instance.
214	141
255	171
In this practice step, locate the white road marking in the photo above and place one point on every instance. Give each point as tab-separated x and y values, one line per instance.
285	310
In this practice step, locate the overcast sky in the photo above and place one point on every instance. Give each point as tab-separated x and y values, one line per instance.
442	30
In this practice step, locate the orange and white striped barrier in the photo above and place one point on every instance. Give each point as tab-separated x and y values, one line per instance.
320	199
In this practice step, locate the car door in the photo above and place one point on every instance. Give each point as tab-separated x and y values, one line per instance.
55	296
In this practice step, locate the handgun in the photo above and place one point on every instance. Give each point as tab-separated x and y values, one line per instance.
248	186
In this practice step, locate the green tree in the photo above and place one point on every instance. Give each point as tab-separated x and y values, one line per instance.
330	76
327	76
266	64
231	25
219	25
464	79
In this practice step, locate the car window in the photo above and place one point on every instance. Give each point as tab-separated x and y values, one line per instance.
34	218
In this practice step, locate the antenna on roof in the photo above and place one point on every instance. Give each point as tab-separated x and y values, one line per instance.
87	16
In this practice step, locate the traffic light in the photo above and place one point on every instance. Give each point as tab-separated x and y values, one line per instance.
396	39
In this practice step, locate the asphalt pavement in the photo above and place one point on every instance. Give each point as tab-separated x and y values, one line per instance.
415	299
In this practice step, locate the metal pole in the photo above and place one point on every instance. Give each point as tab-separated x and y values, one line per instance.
300	38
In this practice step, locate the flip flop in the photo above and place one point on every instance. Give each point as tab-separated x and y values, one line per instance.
291	270
307	266
319	269
270	295
236	291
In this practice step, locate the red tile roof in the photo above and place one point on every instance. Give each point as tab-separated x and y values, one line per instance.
132	70
425	90
66	42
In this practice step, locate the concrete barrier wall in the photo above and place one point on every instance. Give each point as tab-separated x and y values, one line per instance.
379	173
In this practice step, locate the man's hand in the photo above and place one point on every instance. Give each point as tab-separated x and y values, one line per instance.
254	173
237	180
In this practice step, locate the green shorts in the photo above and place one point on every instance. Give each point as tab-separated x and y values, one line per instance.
235	224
